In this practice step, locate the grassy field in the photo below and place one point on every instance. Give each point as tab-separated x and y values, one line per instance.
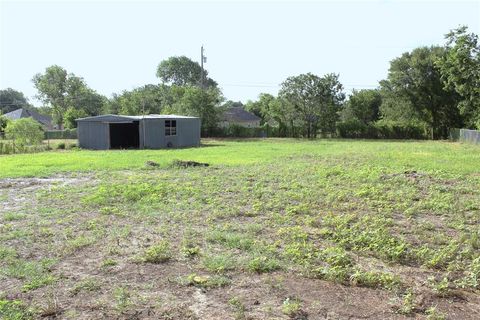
272	229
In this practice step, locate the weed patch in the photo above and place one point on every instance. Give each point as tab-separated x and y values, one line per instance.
158	253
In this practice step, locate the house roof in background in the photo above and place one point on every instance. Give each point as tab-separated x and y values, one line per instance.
27	113
118	118
238	114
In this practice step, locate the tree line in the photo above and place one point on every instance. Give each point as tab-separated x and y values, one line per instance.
426	92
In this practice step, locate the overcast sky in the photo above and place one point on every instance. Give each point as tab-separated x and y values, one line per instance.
251	47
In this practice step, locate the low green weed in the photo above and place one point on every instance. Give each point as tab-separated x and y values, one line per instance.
158	253
199	281
219	262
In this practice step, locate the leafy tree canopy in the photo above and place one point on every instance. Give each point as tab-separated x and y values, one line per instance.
415	78
363	105
182	71
193	101
316	101
11	100
71	114
233	104
61	90
460	70
148	99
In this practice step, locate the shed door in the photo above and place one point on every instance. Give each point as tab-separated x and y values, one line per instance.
124	135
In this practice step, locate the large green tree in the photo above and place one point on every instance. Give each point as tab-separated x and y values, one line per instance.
11	99
183	71
148	99
460	70
395	108
316	101
415	77
52	89
193	101
61	90
363	105
86	100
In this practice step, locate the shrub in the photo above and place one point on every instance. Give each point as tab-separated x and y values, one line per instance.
381	130
399	130
3	124
236	131
61	134
61	146
353	129
24	132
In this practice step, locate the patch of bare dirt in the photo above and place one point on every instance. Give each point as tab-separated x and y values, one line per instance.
17	192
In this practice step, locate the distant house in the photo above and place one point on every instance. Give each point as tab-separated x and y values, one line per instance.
45	121
240	117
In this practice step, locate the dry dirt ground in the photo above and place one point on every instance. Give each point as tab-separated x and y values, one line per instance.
98	276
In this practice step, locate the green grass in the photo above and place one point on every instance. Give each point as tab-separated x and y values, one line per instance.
14	310
356	213
434	155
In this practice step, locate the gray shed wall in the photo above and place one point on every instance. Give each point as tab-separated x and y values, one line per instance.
93	135
188	133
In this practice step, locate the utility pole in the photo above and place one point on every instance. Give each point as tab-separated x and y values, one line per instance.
202	60
143	124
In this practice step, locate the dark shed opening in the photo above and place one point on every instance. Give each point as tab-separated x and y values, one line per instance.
124	135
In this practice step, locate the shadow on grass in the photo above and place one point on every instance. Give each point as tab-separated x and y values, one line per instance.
202	145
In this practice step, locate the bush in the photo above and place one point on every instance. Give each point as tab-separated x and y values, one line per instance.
7	147
381	130
61	146
61	134
236	131
353	129
3	124
400	130
24	132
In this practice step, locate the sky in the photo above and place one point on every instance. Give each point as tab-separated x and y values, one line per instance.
251	46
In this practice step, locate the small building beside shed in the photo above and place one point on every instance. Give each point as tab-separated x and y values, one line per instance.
45	121
239	117
138	132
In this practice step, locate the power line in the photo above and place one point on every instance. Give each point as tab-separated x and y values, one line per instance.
247	85
250	85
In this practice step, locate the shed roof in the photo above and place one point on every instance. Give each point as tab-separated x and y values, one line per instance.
27	113
238	114
117	118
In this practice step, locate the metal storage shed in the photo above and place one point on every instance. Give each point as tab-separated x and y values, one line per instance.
138	132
